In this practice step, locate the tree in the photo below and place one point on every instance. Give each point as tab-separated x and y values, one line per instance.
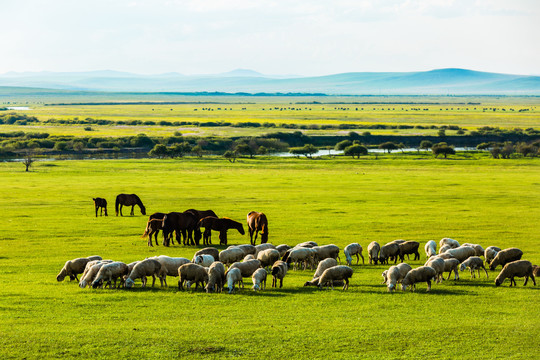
198	150
442	148
306	150
262	150
342	145
388	146
441	133
159	150
245	149
425	145
179	150
28	160
230	155
356	150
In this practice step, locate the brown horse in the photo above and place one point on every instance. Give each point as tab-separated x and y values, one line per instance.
129	200
199	214
153	226
182	224
100	203
257	221
222	225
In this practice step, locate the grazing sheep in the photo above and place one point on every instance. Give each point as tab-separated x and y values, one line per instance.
268	257
76	266
473	263
327	251
479	250
536	270
444	256
248	249
261	247
89	266
216	277
407	248
192	272
169	266
203	260
437	264
282	248
208	251
339	272
444	248
234	276
229	256
258	278
307	244
450	242
420	274
519	268
373	252
279	270
430	248
323	265
490	253
110	272
248	257
505	256
462	253
390	250
299	256
451	265
147	267
247	268
89	276
395	275
353	249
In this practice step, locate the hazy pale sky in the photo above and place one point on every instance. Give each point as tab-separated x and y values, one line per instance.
316	37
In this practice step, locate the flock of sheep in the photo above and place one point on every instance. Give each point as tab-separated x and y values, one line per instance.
215	270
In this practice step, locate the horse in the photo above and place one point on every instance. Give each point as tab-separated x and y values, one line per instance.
222	225
182	224
257	221
199	214
153	226
100	203
129	200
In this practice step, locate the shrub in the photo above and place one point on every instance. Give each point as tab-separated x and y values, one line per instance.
356	150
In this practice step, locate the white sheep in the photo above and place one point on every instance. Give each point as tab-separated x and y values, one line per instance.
479	250
353	249
327	251
323	265
300	255
208	251
420	274
268	257
308	244
229	256
89	276
519	268
396	274
335	273
474	263
282	248
373	252
490	253
462	253
248	257
261	247
437	264
444	248
169	266
147	267
450	242
451	265
216	277
248	249
203	260
258	278
234	276
430	248
110	272
279	270
247	268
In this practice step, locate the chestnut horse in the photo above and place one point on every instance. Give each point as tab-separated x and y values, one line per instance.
257	222
100	203
129	200
199	214
182	224
222	225
153	226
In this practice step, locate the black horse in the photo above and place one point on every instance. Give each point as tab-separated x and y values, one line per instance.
100	203
129	200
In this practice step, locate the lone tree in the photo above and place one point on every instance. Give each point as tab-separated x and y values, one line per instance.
28	160
442	148
230	155
159	151
342	145
388	146
425	145
356	150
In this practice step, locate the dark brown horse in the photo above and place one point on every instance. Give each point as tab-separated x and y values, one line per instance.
100	203
182	224
257	222
200	214
222	225
153	226
129	200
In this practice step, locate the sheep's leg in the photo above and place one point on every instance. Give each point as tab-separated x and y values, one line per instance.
362	256
487	276
346	286
143	279
526	280
533	280
153	280
280	283
511	281
428	286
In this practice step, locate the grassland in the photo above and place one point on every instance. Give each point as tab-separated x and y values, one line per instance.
48	218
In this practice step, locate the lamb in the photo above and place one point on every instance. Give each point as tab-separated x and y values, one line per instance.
216	277
282	248
409	247
519	268
430	248
279	270
420	274
147	267
339	272
229	256
208	251
88	276
74	267
373	252
110	272
169	266
451	265
204	260
323	265
450	242
390	250
299	255
234	276
268	257
462	253
353	249
395	275
247	268
490	253
327	251
258	278
262	247
504	257
474	263
437	264
477	248
192	272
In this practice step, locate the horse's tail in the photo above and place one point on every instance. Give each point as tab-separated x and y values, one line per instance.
147	229
116	204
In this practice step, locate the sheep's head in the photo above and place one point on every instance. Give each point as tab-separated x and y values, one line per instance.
129	283
403	287
391	287
462	267
61	275
498	282
256	287
97	283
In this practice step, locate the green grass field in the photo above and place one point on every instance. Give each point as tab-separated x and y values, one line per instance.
49	218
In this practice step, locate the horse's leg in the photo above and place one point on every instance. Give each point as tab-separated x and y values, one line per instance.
96	209
251	236
155	237
190	237
132	210
121	206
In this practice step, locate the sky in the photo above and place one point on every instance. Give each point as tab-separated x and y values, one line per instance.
310	38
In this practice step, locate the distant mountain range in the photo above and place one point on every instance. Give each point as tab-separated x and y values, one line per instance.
434	82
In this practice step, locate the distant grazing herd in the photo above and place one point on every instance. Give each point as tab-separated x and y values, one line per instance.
216	270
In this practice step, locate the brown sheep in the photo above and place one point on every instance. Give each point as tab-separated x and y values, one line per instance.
409	247
279	270
74	267
390	250
335	273
420	274
373	252
519	268
192	272
216	277
505	256
147	267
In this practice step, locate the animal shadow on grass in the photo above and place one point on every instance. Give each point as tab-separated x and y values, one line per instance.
377	289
